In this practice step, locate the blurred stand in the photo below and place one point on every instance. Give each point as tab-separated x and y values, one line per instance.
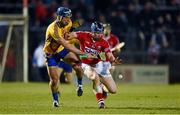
135	22
9	74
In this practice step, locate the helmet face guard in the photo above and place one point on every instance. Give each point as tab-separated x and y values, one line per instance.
107	26
107	29
63	15
97	27
64	12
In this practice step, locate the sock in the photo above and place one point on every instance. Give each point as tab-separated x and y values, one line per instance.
55	96
99	97
79	80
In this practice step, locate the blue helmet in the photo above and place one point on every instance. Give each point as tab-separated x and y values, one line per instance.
97	27
63	11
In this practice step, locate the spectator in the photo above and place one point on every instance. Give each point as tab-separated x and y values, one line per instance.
39	64
153	52
52	10
177	33
41	13
158	43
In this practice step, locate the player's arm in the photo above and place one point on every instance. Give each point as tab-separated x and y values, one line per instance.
113	60
77	36
110	56
63	42
118	46
117	49
72	35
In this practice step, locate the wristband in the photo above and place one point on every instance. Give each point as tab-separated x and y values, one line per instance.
83	56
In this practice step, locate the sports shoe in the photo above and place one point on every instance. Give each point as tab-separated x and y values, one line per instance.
79	90
55	103
101	105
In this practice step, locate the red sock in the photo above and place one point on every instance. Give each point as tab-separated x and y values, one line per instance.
99	97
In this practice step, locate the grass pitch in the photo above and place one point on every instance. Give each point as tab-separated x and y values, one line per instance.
35	98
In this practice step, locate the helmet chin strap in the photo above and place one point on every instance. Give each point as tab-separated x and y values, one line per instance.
60	23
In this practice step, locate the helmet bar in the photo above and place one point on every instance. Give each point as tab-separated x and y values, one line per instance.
97	27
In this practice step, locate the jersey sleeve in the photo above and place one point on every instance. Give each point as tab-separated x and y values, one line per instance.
81	36
115	40
106	47
54	29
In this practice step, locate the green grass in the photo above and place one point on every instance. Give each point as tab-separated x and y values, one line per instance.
35	98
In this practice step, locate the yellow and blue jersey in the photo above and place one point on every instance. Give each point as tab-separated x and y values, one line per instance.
51	45
54	51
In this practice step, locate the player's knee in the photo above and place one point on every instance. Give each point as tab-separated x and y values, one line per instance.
94	78
54	81
113	90
68	78
77	68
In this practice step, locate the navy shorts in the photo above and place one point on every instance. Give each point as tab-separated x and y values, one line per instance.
55	60
66	67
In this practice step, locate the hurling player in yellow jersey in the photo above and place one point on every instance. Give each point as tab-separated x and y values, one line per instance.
56	48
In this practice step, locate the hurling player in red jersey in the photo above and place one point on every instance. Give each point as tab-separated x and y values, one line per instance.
111	38
94	68
113	42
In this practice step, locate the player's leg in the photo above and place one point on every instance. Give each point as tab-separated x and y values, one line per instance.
109	83
92	75
68	77
112	69
97	89
79	74
102	69
67	71
75	62
54	73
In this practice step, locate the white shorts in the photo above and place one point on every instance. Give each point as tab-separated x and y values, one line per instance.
101	68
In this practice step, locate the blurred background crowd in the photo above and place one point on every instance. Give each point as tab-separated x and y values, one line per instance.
150	28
